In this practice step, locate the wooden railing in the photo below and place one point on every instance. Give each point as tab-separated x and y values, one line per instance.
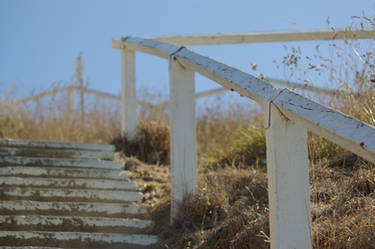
287	116
73	89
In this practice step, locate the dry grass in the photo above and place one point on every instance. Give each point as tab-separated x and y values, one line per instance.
231	210
151	145
48	119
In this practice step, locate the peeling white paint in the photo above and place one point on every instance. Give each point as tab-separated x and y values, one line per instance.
184	175
53	162
91	208
290	116
288	183
64	172
130	239
66	183
56	153
84	194
55	145
25	220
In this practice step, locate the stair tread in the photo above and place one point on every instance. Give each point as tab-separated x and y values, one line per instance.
73	223
31	247
55	145
67	182
51	238
63	172
55	153
43	183
66	208
67	193
58	162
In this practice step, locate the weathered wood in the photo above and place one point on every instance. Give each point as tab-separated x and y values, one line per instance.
293	85
229	77
98	93
262	37
183	134
55	145
92	209
76	239
70	105
349	133
148	46
61	172
288	182
289	115
128	95
70	194
56	153
82	183
59	162
76	223
35	97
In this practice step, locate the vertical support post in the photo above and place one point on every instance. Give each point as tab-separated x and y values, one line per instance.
70	106
128	95
82	103
288	181
183	134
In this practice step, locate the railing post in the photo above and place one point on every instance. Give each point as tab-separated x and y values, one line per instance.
183	134
70	105
288	181
128	94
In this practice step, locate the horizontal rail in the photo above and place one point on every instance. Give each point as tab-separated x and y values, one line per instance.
300	86
35	97
97	93
287	115
272	81
345	131
59	90
261	37
164	104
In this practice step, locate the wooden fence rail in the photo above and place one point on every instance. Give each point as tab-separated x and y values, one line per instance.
287	116
72	89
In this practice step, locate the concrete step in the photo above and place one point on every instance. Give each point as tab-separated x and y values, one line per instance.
80	183
30	247
57	194
55	145
77	239
64	172
55	153
72	224
91	209
40	161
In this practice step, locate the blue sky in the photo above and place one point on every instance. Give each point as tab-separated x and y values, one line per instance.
40	39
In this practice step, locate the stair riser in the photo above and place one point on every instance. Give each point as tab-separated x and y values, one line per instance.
30	247
40	194
33	161
80	240
55	145
53	153
91	209
59	195
73	224
63	172
66	183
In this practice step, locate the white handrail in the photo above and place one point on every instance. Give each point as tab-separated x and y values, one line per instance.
263	92
288	116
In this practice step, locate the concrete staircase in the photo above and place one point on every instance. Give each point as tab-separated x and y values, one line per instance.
68	195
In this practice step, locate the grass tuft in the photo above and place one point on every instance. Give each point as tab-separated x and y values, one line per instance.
151	145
